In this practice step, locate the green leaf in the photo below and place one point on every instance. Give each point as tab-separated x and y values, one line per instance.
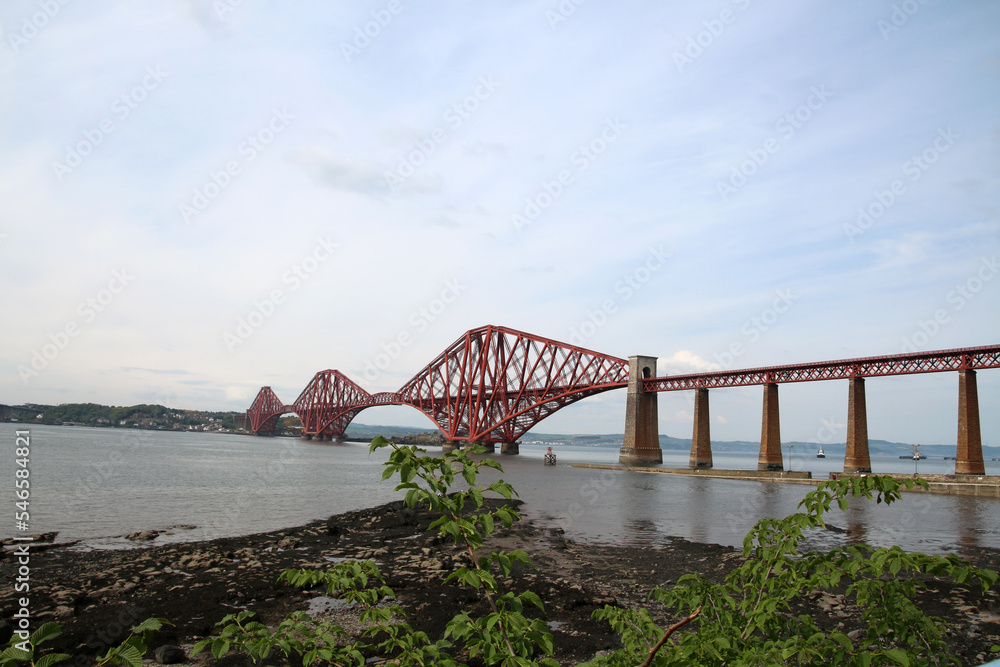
469	473
152	624
51	659
898	656
533	598
45	632
503	488
130	655
13	654
220	647
377	443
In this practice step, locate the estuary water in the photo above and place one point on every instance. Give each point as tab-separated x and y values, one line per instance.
95	485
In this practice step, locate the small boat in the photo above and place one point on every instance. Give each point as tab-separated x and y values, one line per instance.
820	454
916	455
549	458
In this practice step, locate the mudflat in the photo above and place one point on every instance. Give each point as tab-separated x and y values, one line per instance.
97	596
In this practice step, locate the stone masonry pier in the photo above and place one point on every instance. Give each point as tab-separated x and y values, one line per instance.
642	447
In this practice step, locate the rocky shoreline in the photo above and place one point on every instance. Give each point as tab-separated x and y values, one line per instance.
97	596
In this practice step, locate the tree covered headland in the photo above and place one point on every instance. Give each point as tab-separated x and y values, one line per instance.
133	416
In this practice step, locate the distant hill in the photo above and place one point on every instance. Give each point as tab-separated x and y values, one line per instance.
162	418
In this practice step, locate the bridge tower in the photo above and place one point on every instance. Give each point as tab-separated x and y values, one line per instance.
701	439
857	457
770	431
642	440
969	458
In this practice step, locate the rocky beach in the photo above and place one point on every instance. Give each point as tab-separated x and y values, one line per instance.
97	596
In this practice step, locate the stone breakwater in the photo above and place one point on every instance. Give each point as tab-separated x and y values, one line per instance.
97	596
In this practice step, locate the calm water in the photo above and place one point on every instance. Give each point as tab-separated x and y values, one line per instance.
97	484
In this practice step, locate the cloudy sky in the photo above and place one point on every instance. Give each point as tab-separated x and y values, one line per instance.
200	197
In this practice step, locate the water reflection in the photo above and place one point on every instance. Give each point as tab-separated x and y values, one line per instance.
644	508
639	508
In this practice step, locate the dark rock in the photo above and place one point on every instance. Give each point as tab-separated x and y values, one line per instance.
143	536
288	543
169	655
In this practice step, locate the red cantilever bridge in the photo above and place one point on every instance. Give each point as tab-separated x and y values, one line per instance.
491	385
494	384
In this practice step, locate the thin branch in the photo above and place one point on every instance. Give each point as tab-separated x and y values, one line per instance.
666	635
489	598
760	596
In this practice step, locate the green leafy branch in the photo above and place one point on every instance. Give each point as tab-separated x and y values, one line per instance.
504	636
129	652
749	618
15	653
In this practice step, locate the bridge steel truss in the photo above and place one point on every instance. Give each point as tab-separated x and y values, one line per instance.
265	411
329	403
966	358
491	385
494	384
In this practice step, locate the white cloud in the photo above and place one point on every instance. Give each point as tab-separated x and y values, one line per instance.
682	362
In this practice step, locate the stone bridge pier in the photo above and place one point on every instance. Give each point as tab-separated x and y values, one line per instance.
642	439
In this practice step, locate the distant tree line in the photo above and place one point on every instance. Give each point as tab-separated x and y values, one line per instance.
144	415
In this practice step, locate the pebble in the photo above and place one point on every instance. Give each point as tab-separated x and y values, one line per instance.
169	655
